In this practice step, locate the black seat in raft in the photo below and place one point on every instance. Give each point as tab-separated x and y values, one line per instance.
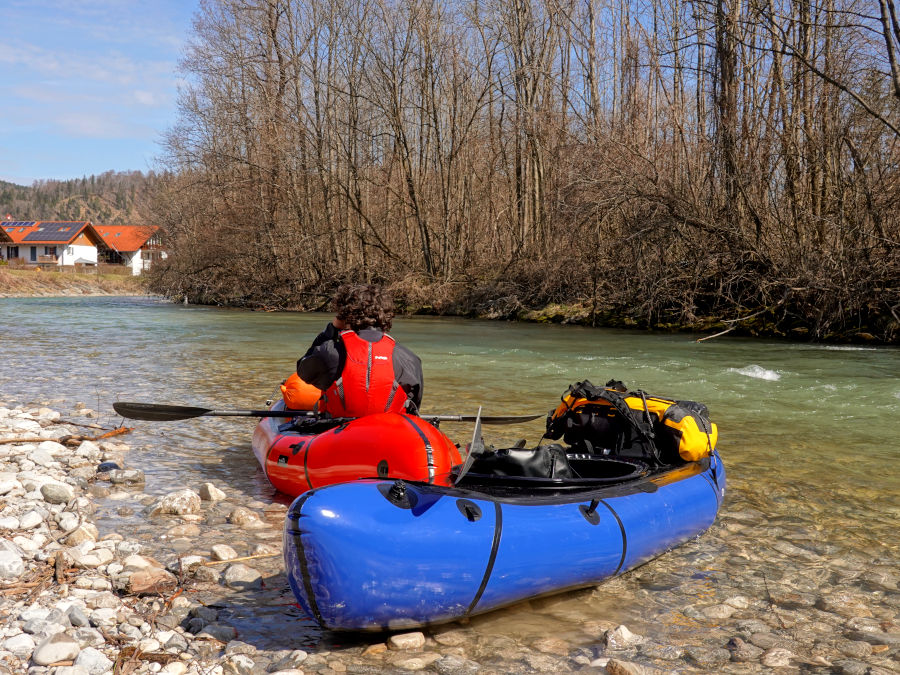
550	466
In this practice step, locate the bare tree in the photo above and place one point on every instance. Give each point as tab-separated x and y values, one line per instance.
663	162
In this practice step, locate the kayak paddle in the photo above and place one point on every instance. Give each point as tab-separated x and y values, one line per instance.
155	412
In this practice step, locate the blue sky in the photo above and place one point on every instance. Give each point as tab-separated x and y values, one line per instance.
87	85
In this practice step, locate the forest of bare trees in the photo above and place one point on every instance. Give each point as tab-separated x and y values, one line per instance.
661	163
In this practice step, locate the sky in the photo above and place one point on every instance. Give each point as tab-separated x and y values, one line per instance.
87	85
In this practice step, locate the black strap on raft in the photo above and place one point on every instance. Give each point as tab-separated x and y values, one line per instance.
643	425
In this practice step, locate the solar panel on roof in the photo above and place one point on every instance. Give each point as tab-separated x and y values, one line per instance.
58	231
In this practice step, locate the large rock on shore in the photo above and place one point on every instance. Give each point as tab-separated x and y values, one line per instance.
183	502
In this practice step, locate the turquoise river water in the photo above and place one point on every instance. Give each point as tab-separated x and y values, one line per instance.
810	434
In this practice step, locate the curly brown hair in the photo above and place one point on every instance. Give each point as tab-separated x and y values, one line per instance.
363	306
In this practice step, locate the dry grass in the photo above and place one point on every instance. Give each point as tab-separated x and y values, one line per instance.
28	283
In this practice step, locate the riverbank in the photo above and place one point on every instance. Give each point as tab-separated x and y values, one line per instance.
16	283
438	301
200	588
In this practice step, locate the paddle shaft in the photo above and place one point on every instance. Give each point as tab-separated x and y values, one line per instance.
155	412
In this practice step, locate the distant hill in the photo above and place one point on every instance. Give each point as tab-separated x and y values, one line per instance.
112	198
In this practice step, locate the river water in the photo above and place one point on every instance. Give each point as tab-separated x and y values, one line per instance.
810	434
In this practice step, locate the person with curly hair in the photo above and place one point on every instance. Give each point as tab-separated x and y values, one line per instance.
359	367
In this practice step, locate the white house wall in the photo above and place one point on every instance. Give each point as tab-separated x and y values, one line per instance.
75	252
133	261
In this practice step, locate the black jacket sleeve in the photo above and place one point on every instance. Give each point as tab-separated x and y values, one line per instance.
408	372
322	362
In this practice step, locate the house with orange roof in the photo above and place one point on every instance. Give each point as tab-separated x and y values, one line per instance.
135	246
51	242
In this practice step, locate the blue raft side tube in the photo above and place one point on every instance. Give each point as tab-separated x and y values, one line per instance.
350	555
356	561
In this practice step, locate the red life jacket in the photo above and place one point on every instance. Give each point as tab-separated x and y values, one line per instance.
366	385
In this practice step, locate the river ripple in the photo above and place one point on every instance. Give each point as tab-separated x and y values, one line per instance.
806	544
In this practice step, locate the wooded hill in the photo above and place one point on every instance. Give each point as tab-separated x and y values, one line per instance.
112	198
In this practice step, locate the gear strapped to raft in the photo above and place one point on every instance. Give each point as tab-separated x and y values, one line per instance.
614	421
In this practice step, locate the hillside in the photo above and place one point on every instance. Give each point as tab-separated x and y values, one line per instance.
112	198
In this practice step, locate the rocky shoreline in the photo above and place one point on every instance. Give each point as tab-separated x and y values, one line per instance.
78	601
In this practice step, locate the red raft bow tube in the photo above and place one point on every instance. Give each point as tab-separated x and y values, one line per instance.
305	453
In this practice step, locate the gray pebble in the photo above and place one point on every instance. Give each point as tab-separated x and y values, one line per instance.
743	652
21	645
223	552
58	647
851	667
195	625
11	565
209	492
57	493
221	632
239	664
707	657
42	628
30	520
776	657
208	614
77	617
41	457
242	577
88	636
289	660
127	477
207	574
93	661
70	670
876	637
176	643
456	665
655	650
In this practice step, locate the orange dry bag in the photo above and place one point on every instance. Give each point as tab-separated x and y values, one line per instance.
299	394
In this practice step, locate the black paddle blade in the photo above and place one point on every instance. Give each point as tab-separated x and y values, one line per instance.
154	412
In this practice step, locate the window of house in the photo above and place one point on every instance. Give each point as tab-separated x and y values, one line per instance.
49	250
12	252
70	250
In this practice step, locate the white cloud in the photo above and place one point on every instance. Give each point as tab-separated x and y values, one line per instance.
147	98
92	125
